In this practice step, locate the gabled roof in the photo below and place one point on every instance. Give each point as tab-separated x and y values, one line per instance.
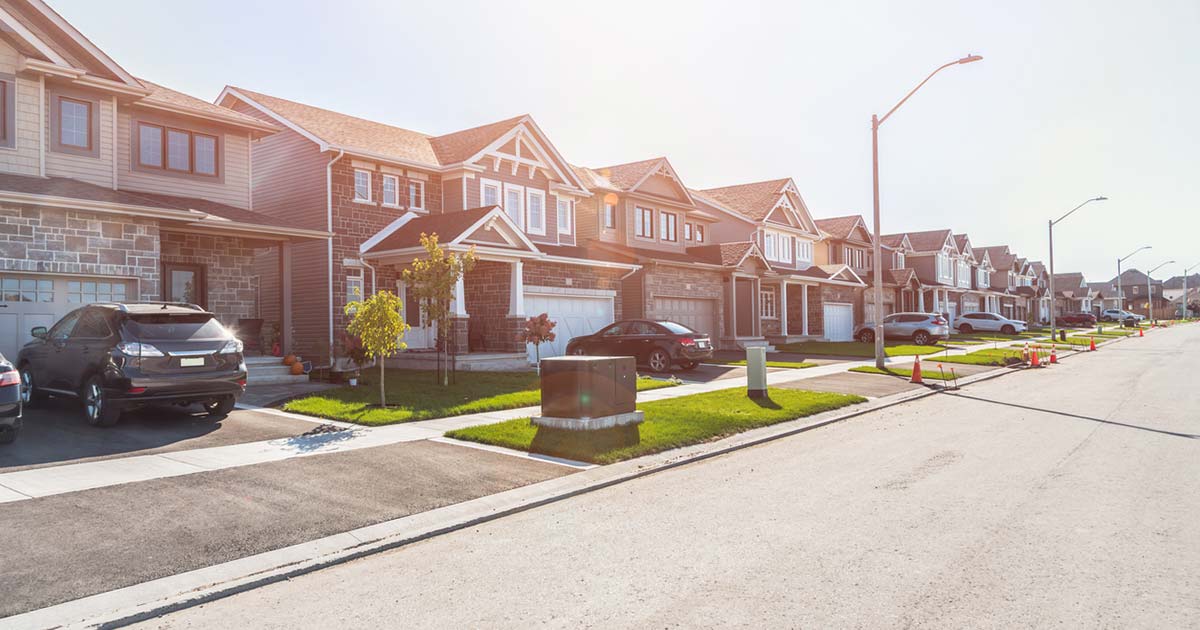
44	34
900	277
927	241
726	254
459	146
842	228
405	232
1037	267
1073	280
630	176
755	200
1176	282
895	241
1002	259
161	97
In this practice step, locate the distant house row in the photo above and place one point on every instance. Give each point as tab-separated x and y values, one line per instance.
113	187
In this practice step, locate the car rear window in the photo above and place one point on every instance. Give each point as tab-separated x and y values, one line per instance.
176	327
677	329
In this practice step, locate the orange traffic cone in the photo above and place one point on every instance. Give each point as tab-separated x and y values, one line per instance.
916	372
1035	359
1025	354
1141	331
1092	347
1053	354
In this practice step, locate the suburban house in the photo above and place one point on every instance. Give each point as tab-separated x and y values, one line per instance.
934	259
799	295
1072	294
1134	286
1039	305
1173	287
1104	296
501	188
114	188
973	276
909	292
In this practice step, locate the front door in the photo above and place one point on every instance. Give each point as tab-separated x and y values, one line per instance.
744	308
184	283
421	334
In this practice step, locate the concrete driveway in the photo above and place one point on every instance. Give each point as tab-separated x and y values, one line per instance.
56	433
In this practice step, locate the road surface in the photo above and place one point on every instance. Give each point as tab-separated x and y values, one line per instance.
1066	497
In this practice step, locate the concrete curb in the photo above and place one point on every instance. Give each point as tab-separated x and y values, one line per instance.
141	602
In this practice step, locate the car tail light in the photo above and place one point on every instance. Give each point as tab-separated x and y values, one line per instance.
938	321
233	346
10	378
687	341
135	349
137	390
242	382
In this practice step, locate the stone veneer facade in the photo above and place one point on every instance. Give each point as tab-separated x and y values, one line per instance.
228	278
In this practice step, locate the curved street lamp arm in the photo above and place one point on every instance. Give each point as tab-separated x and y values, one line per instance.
1121	260
1159	267
1076	208
914	91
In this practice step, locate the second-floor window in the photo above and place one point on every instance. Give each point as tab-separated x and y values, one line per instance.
899	260
699	233
514	204
644	225
769	245
687	232
490	194
566	216
7	111
177	150
964	273
391	190
75	123
416	195
537	211
610	216
767	303
944	271
804	251
786	245
668	227
362	185
982	277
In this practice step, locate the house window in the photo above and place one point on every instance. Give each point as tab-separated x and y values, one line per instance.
181	283
7	112
355	289
785	248
899	260
176	150
804	251
75	123
699	233
769	246
391	190
610	216
566	216
362	185
767	303
537	211
416	195
668	221
490	193
29	290
687	231
644	226
514	204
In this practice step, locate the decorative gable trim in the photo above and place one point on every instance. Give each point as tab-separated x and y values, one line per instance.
386	232
800	209
526	132
510	232
84	43
664	168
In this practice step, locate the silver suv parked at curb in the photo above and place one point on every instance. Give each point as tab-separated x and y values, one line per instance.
922	328
989	322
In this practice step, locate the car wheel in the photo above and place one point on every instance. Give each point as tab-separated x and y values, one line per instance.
965	329
867	336
29	394
659	360
99	411
921	338
220	407
1008	329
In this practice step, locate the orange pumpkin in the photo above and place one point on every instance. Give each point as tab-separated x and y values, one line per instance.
289	359
297	368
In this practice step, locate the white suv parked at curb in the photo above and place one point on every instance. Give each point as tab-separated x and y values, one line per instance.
989	322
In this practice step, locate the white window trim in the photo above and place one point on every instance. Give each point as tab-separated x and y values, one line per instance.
421	187
484	184
565	208
540	229
370	183
786	245
688	233
519	219
804	251
396	181
769	245
604	215
662	227
640	223
764	302
699	232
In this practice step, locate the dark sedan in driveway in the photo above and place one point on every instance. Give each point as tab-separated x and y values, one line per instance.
655	344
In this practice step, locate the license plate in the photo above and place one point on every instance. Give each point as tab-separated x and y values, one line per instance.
701	344
191	361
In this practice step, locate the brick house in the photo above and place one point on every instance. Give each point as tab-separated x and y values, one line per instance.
114	188
934	260
501	188
799	297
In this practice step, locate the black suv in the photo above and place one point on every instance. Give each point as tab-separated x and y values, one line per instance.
657	344
115	357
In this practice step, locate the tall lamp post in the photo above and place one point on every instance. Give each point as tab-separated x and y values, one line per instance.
877	250
1053	322
1150	290
1120	295
1184	312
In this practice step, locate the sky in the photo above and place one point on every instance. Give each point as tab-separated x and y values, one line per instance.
1072	100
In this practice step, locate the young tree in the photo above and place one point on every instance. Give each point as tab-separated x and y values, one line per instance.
538	330
432	279
378	324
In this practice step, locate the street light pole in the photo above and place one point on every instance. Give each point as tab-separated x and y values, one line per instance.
877	250
1053	300
1184	311
1150	290
1120	294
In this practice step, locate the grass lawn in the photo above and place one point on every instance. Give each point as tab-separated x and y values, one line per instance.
794	365
855	348
961	342
669	424
991	356
926	372
992	336
413	395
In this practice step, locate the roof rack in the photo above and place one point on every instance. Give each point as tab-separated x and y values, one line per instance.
122	306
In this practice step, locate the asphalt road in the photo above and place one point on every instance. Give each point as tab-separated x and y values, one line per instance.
1066	497
67	546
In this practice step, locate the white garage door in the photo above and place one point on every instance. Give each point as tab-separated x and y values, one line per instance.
699	315
574	316
839	322
31	300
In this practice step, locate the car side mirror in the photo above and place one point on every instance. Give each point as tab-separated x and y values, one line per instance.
38	332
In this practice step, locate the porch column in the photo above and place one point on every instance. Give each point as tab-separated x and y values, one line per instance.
921	300
516	286
804	307
459	304
756	329
733	307
285	299
783	311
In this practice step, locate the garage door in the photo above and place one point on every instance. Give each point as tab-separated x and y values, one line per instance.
574	316
31	300
699	315
839	322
